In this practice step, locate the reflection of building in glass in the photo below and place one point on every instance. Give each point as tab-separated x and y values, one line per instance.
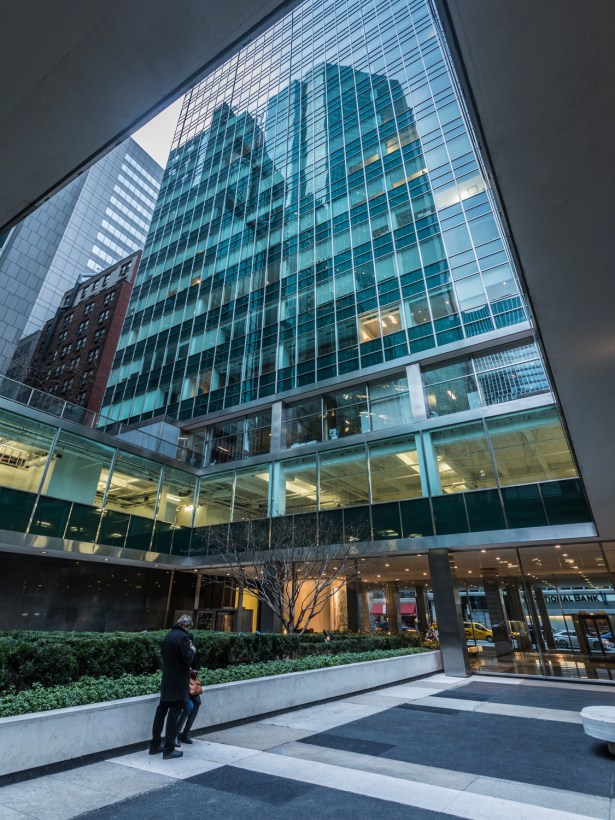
326	325
309	246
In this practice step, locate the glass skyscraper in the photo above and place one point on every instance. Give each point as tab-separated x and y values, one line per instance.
326	286
327	325
323	212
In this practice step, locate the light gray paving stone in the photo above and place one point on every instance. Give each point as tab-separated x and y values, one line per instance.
324	716
12	814
180	769
533	712
480	807
508	709
384	787
378	765
256	735
532	795
49	798
513	791
218	752
115	780
356	782
377	699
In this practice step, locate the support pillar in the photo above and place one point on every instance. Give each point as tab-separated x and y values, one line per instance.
365	626
354	605
422	608
545	621
391	592
447	602
497	615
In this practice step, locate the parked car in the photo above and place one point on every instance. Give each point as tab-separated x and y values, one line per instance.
566	639
477	631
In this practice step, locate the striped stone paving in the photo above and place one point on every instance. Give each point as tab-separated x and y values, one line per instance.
434	748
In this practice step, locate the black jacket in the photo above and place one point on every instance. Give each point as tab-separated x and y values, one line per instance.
177	657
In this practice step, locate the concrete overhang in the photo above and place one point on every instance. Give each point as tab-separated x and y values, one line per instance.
539	80
82	75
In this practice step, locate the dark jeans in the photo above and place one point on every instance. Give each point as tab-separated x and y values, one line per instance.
189	713
174	709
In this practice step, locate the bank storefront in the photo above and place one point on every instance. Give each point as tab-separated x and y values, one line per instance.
538	610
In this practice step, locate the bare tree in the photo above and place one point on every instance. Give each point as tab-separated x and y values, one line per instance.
289	564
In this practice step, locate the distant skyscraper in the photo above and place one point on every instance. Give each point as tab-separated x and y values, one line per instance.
96	220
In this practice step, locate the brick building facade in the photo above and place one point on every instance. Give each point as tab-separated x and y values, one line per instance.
73	357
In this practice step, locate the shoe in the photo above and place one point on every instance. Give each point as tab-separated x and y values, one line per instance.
178	744
185	738
172	755
155	750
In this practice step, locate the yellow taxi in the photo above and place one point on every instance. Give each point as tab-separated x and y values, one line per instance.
478	632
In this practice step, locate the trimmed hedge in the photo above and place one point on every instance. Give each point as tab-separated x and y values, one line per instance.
54	658
39	698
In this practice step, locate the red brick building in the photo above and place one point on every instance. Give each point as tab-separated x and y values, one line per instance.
73	357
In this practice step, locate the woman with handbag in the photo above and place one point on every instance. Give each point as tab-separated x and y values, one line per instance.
191	709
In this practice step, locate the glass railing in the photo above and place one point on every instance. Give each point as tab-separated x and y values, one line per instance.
54	406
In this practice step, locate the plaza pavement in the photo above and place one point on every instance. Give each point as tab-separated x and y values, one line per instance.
434	748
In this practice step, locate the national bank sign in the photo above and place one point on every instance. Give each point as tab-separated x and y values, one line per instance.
576	598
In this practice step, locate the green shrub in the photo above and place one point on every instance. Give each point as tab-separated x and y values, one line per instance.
39	698
54	658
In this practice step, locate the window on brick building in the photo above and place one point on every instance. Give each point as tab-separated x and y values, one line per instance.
103	316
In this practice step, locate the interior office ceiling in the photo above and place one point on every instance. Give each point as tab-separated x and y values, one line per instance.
539	80
79	76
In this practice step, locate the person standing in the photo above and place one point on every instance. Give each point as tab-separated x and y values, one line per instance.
191	709
177	657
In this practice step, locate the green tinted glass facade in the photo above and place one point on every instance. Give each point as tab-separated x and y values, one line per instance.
323	212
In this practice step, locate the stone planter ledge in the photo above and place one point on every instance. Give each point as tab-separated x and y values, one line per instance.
43	738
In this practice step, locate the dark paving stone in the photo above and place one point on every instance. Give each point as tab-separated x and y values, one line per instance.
351	744
540	752
275	791
234	794
548	697
441	710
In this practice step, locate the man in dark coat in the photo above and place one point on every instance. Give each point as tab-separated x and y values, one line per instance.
177	656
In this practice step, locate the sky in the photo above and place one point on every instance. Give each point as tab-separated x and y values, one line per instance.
156	137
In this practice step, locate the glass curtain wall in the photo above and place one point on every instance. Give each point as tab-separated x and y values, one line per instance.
546	610
323	211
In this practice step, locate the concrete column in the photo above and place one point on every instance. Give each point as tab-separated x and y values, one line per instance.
515	612
391	592
422	608
237	627
497	615
448	614
364	608
354	606
544	619
268	620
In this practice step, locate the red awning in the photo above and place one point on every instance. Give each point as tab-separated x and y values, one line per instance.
408	609
378	609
